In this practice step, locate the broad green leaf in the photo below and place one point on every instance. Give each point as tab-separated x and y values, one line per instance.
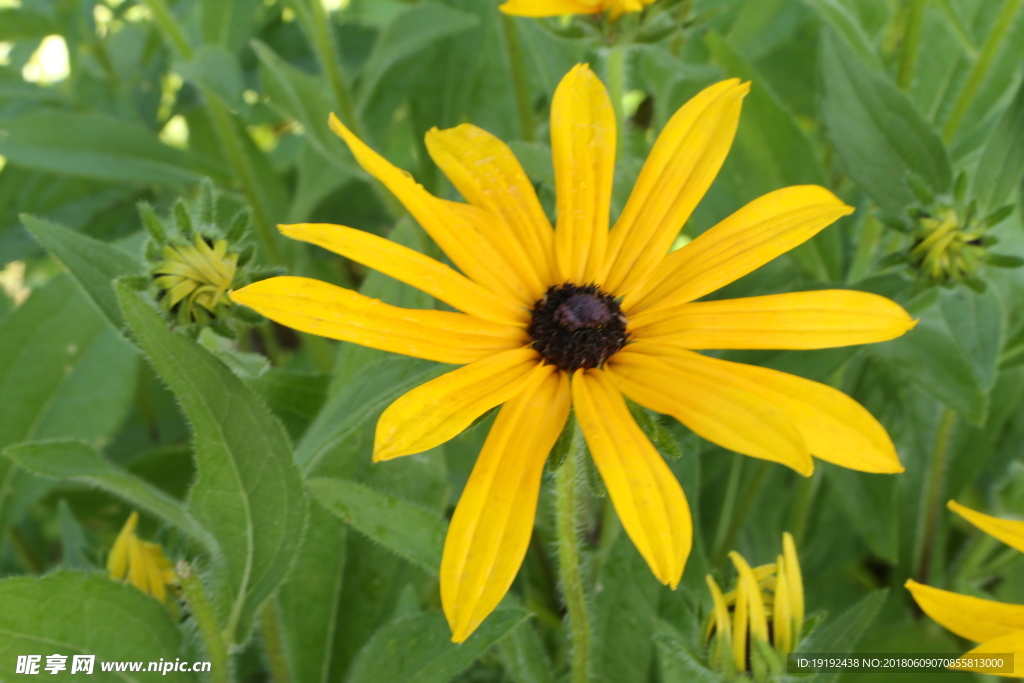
309	601
405	35
63	373
215	68
844	631
928	356
842	21
871	504
678	661
404	528
98	146
624	614
74	546
524	657
295	397
976	321
72	613
22	23
248	492
94	265
1002	161
305	99
80	462
879	135
418	649
358	402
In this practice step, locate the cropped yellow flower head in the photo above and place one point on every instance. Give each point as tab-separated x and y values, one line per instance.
998	626
554	8
772	594
581	315
141	563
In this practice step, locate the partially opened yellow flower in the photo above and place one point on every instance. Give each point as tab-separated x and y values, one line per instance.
139	562
580	315
767	605
998	626
554	8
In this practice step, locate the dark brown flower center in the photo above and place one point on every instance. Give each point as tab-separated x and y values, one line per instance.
577	326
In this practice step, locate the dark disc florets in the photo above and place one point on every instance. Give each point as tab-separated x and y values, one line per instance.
577	326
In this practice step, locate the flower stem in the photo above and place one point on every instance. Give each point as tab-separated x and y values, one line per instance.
985	58
519	78
273	645
616	89
933	493
202	611
911	39
566	488
724	540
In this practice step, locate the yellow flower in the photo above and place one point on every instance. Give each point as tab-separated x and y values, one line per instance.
198	274
143	564
554	8
580	315
998	626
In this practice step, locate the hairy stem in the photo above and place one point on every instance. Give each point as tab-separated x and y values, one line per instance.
206	621
566	489
273	645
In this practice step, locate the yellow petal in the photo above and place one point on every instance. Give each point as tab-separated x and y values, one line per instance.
411	267
834	427
488	175
724	409
969	617
647	497
434	412
492	524
138	576
550	8
1011	643
329	311
758	620
153	555
800	320
583	151
740	623
720	613
1009	531
459	230
763	229
794	582
117	561
782	618
681	166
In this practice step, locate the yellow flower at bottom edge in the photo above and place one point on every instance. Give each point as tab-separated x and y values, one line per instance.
581	315
554	8
998	626
141	563
772	594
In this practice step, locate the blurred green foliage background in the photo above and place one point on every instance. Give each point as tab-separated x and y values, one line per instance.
910	110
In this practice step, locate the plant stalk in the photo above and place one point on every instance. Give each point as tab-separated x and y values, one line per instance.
977	76
206	620
933	492
911	41
566	490
520	81
273	645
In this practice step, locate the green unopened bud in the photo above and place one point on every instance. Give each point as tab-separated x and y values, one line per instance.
196	275
947	247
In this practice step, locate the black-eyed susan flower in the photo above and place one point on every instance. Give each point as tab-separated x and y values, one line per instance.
580	316
140	563
997	626
554	8
767	605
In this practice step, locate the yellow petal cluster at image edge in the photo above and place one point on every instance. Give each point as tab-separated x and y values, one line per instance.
998	626
139	562
770	594
554	8
509	255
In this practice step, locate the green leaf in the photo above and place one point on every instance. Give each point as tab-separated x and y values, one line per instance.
248	491
71	613
309	601
929	356
94	265
21	23
74	545
1002	161
976	321
418	649
296	397
843	22
524	657
358	403
871	504
80	462
843	632
305	99
404	528
214	67
100	147
406	34
677	660
879	135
